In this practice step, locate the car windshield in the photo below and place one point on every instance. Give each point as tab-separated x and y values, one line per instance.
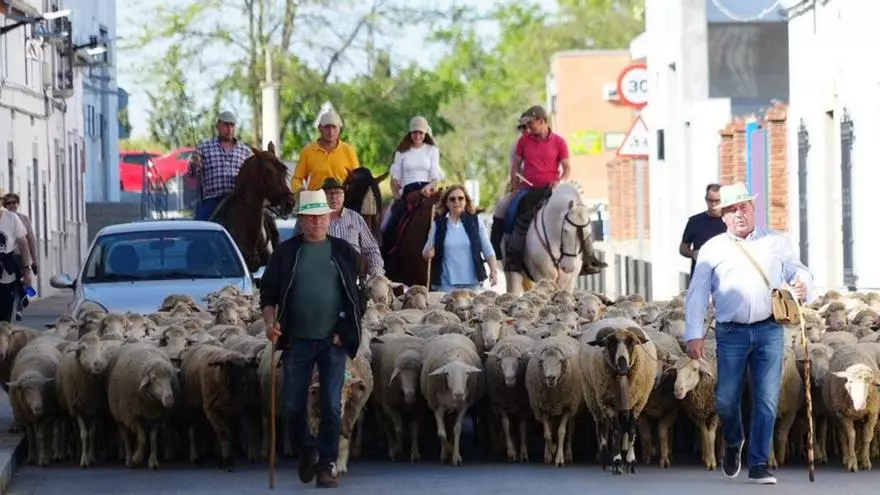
162	255
136	158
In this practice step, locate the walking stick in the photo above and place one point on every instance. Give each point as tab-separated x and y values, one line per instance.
807	396
272	439
430	221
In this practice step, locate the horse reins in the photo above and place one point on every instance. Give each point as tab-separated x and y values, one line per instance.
545	240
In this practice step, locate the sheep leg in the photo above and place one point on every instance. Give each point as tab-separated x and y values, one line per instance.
141	445
153	461
126	445
357	444
42	443
264	449
569	436
561	432
781	446
440	418
849	435
820	442
549	447
508	439
616	445
193	450
342	456
663	427
630	441
523	439
59	437
711	442
31	434
648	448
414	453
93	437
456	440
867	435
83	441
602	433
224	438
395	441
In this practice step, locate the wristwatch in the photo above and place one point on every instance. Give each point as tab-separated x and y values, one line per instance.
27	268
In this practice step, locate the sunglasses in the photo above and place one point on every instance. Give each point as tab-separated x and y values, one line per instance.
455	199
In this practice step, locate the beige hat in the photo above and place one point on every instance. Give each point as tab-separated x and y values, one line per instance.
734	194
313	203
227	117
419	123
330	117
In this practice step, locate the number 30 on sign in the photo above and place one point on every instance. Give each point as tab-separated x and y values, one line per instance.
632	85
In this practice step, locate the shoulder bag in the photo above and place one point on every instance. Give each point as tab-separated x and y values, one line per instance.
783	302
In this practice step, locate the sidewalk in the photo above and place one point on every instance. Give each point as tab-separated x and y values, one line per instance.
50	306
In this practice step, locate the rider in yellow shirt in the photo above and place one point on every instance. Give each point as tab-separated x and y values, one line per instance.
326	157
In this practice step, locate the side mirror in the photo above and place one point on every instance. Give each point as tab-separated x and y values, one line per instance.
257	275
61	281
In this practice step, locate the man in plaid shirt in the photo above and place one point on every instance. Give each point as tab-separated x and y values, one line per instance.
216	163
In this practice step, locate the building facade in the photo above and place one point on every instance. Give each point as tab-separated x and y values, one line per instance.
100	107
42	145
832	144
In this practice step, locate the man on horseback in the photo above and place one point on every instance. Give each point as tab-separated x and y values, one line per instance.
540	162
327	157
215	164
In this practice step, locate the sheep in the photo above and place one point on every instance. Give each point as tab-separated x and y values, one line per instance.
850	393
820	358
835	316
662	405
451	381
505	366
380	289
553	382
217	383
12	341
141	394
416	298
459	302
695	381
440	317
836	340
791	399
619	363
32	395
490	326
80	388
398	365
360	389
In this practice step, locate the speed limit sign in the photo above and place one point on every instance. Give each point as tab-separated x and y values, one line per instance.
632	85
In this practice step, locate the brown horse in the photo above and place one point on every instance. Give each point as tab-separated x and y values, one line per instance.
404	262
260	188
362	195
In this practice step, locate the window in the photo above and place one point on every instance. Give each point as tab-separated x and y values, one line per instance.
162	255
10	166
45	208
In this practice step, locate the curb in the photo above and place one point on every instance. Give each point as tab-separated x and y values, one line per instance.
12	454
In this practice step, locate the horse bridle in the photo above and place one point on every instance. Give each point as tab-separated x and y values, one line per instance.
545	240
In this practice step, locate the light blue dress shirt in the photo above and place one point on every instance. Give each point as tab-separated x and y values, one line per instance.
737	288
458	265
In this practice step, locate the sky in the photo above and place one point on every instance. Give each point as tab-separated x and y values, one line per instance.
409	47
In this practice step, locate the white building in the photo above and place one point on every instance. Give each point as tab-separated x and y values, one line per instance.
695	87
835	231
41	138
100	110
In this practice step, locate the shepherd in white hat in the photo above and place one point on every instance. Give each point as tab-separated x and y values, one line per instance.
327	157
416	167
311	307
738	269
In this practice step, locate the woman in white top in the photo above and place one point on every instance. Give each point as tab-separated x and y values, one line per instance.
416	167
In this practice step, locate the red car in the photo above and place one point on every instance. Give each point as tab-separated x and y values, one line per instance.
131	169
176	162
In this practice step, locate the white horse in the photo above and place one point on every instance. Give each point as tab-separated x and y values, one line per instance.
556	240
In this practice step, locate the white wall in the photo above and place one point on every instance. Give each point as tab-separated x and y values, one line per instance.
100	100
827	73
675	47
36	132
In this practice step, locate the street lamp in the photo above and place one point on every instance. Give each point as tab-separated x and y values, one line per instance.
31	20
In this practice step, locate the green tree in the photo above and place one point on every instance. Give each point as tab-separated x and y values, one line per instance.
124	121
142	144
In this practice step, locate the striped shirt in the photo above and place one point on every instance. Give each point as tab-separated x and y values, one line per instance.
219	166
352	228
738	290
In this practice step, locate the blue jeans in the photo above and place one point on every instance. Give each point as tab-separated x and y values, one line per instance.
299	361
452	287
206	207
760	347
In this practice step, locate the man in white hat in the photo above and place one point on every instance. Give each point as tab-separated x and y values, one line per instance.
216	163
312	310
327	157
737	269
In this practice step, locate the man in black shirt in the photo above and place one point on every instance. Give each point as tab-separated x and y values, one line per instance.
702	227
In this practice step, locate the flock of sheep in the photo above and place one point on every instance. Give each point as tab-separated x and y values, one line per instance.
192	381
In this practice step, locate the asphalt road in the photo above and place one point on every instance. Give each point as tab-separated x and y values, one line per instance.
379	477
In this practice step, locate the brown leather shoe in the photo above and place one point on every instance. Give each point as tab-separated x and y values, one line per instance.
326	478
307	461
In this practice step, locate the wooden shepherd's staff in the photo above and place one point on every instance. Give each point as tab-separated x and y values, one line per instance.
272	418
807	395
430	221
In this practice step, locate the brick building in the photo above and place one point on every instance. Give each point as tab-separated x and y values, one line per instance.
583	109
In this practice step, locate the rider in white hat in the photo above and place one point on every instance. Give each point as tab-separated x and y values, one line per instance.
329	156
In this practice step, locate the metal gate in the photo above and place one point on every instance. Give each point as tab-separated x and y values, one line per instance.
847	137
803	229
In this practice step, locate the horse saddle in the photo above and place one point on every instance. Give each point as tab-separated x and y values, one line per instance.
525	202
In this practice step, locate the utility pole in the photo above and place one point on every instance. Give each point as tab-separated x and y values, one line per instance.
271	95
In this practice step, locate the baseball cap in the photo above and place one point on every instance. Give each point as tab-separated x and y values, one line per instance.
227	117
535	113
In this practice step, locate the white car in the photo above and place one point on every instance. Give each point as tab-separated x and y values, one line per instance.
285	228
134	266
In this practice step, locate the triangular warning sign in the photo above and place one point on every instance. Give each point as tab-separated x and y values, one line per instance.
635	144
